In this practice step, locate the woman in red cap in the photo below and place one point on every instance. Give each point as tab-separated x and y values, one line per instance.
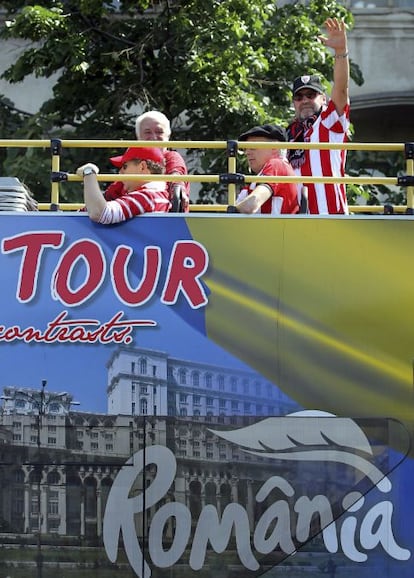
136	197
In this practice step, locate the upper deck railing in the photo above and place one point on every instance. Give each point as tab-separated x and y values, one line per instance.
232	178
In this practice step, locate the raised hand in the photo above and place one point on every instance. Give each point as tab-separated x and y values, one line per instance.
335	35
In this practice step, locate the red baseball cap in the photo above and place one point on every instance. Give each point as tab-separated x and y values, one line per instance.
142	153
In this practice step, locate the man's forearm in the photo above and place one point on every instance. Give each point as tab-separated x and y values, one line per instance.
94	200
340	89
253	202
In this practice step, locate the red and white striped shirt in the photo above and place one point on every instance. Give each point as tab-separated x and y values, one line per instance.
149	197
326	198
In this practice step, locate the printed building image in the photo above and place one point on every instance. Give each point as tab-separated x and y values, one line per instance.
58	466
79	453
147	382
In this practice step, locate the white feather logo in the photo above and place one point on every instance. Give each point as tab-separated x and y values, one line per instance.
316	439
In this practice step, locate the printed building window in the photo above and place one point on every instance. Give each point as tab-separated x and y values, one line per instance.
17	501
143	366
53	503
220	380
34	502
53	524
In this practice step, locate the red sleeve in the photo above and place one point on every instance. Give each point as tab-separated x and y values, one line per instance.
287	191
115	190
174	163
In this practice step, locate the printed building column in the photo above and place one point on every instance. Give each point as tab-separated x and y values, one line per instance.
234	490
26	509
43	508
250	503
99	512
218	502
62	510
82	513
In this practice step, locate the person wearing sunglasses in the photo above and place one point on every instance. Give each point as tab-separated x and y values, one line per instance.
321	119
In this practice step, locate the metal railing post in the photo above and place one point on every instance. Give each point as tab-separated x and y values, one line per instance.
231	152
56	149
409	160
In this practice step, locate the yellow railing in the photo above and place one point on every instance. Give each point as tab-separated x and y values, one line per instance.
231	178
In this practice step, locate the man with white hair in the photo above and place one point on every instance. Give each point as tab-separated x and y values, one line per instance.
154	125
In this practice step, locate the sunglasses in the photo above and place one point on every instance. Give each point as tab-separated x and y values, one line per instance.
310	95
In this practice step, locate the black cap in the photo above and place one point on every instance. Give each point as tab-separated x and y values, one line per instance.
311	81
270	131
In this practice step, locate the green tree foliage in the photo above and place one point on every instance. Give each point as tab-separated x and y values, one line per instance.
213	67
375	164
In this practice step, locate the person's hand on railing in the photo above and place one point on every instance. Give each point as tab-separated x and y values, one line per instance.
88	167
